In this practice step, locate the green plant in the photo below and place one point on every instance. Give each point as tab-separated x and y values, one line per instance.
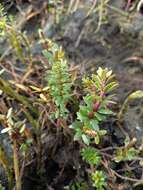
16	39
135	95
17	133
59	84
56	7
78	186
4	161
96	106
91	156
98	180
1	187
59	81
51	104
126	153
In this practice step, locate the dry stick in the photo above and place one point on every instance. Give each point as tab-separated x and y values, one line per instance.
5	164
100	15
6	88
27	15
27	74
29	69
76	5
119	11
127	178
100	7
70	6
16	165
139	5
103	4
6	52
92	8
73	6
16	75
120	176
123	109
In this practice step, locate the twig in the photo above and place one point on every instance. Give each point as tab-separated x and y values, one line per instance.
6	88
115	9
127	178
92	8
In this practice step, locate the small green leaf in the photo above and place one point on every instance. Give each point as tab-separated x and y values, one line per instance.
75	125
98	180
77	136
94	125
81	116
99	116
105	111
88	100
97	139
48	55
132	152
111	86
91	156
22	128
102	132
85	139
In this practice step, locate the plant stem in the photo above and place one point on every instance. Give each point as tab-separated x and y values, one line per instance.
5	164
16	165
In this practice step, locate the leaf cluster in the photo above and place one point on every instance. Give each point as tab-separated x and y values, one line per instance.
91	156
95	107
59	79
98	180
